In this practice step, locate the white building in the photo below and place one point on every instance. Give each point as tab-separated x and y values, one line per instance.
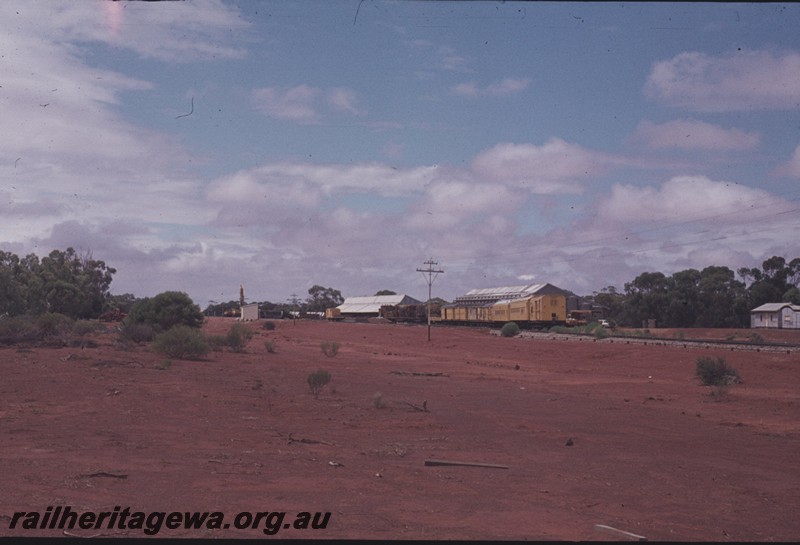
776	315
366	307
249	312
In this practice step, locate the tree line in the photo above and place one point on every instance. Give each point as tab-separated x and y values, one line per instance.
77	285
712	297
63	282
319	298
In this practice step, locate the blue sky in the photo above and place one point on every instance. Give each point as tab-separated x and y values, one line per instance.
201	145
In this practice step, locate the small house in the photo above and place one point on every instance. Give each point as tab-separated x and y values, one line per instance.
776	315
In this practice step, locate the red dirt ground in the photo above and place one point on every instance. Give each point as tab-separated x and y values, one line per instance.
653	452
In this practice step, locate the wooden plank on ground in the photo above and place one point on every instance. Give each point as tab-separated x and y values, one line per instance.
622	533
455	463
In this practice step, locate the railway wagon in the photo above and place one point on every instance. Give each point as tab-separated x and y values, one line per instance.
415	313
528	312
454	314
547	308
501	312
531	311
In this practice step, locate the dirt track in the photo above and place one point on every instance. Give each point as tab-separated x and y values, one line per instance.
652	452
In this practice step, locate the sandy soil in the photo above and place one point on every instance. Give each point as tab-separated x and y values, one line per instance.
653	452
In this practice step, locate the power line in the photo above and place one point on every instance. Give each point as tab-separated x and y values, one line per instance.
432	274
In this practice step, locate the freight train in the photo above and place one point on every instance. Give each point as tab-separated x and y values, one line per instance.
532	312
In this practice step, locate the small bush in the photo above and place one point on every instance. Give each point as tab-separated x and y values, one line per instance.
238	336
216	342
317	381
19	329
137	332
269	326
715	372
329	348
84	327
164	365
270	346
124	344
377	401
601	332
510	329
755	338
181	342
55	326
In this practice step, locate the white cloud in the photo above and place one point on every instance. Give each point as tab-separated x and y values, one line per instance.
746	80
792	166
691	134
453	203
505	87
552	168
450	60
305	104
169	31
71	153
295	104
328	178
343	99
681	199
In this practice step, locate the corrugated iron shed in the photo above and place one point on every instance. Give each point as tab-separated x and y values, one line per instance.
373	304
506	293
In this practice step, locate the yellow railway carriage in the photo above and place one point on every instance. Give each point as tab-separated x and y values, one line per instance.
532	311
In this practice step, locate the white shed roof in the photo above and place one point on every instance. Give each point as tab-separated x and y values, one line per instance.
775	307
373	304
505	291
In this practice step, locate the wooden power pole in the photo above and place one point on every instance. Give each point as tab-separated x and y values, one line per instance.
432	274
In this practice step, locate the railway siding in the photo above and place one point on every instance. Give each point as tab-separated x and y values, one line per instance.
654	341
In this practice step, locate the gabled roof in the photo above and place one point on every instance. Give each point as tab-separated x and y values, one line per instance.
373	304
775	307
508	292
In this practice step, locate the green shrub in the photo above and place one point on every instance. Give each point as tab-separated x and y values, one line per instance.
510	329
238	336
216	342
715	372
269	326
164	365
137	332
270	346
329	348
84	327
165	311
181	342
755	338
54	324
19	329
317	381
601	333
